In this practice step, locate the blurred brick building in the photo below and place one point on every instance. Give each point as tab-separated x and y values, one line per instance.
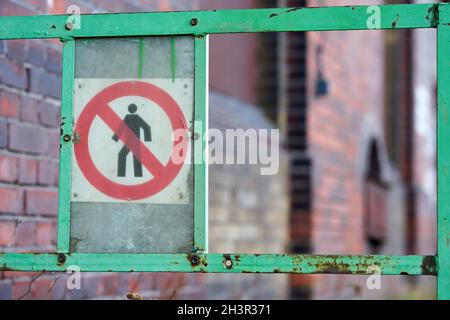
356	112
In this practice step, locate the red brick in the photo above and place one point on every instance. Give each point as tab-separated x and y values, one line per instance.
45	83
27	138
25	234
11	200
9	104
53	63
41	288
49	114
5	290
20	274
53	143
17	49
41	201
6	232
20	290
36	53
109	285
3	134
36	5
12	73
8	169
47	172
27	171
11	9
46	234
29	109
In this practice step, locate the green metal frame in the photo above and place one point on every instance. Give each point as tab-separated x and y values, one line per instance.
200	24
65	158
200	144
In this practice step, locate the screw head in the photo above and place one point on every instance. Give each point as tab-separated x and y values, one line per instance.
194	21
66	138
69	26
195	259
228	263
61	258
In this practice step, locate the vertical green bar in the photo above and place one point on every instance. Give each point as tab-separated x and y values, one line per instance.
65	158
443	169
201	144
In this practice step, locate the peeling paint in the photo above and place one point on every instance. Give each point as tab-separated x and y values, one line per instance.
428	266
433	15
394	23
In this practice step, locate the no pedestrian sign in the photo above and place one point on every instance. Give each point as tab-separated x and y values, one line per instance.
127	145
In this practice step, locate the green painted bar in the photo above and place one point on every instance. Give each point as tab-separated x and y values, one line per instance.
219	263
443	165
65	158
201	131
219	21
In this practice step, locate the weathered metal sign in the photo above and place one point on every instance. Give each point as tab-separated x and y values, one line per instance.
132	173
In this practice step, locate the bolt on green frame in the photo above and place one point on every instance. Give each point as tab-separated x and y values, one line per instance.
200	24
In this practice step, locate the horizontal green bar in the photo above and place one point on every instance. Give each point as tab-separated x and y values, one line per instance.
221	263
220	21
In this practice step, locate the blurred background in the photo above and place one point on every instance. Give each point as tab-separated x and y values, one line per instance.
356	112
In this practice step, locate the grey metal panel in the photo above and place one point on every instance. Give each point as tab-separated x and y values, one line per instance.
162	57
131	228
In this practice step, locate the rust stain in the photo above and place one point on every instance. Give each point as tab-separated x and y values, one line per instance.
5	268
293	9
277	270
76	137
428	265
196	261
335	265
193	259
433	15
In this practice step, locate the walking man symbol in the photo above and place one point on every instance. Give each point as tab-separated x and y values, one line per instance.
135	123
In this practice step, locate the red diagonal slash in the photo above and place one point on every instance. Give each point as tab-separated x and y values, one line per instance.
131	141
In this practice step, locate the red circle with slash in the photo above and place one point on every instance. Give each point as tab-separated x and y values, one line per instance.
162	174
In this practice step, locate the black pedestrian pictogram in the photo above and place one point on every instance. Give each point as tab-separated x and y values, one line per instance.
135	123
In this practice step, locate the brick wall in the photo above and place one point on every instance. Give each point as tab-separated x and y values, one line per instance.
248	212
30	74
342	125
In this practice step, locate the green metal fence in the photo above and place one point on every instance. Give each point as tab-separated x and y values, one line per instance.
200	24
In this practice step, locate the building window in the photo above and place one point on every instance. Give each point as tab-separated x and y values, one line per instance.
375	202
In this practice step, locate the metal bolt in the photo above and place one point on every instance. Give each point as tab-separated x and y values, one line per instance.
61	258
196	136
228	264
195	259
69	26
194	21
66	138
